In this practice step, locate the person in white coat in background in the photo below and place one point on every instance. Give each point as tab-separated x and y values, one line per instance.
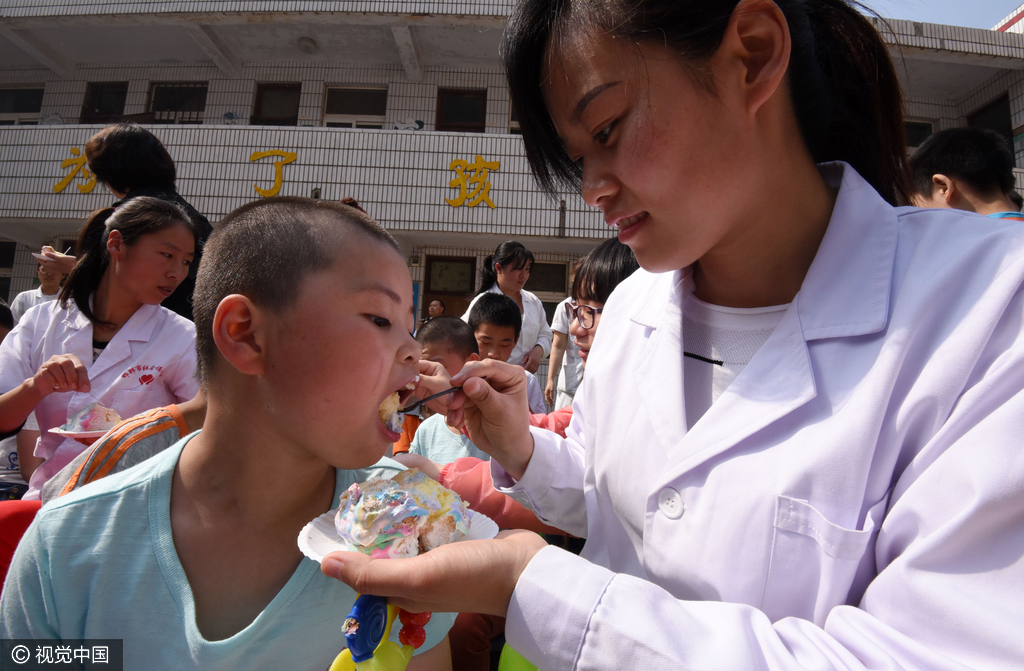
506	272
106	339
836	482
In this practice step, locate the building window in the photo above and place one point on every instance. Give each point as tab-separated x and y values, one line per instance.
550	283
355	108
513	120
20	106
995	116
177	102
460	110
104	102
6	265
277	105
917	132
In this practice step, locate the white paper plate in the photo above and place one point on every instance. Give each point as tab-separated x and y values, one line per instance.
79	434
320	537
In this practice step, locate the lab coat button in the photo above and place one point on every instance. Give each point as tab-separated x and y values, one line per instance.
670	503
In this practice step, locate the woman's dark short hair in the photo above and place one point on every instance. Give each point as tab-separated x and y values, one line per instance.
844	88
126	156
263	250
601	270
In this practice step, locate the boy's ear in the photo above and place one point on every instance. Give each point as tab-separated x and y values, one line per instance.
237	331
473	357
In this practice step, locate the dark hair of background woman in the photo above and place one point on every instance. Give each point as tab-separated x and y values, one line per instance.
138	217
601	270
510	252
126	156
843	85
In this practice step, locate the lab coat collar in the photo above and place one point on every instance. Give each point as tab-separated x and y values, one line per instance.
846	293
847	288
138	328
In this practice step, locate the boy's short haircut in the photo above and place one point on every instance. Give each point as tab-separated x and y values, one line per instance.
263	250
451	332
496	309
979	158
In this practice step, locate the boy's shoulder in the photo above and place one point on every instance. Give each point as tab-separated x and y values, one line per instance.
112	492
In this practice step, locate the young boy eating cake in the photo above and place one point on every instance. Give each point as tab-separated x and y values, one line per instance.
303	311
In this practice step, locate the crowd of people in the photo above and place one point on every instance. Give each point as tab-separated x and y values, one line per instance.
791	446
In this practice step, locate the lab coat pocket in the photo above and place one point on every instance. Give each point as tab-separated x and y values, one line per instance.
815	564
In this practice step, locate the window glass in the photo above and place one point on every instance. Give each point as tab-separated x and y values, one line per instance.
178	102
459	110
277	104
548	277
917	132
104	102
356	102
21	101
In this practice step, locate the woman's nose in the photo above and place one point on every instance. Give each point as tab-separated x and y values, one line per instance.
599	185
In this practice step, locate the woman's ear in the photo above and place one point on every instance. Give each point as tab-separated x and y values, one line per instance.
115	245
756	48
238	332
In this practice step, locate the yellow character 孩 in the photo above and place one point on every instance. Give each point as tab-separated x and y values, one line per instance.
473	188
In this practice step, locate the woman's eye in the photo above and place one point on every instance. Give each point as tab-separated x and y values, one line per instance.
380	321
603	135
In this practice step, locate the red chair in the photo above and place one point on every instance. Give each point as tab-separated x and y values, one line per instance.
15	517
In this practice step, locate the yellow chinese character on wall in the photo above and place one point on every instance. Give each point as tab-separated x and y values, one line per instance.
285	158
472	181
78	163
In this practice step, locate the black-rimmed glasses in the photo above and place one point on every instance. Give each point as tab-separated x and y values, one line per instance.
585	314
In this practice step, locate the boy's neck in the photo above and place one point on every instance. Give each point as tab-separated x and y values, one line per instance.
240	468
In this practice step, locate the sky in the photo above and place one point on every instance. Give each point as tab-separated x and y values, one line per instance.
970	13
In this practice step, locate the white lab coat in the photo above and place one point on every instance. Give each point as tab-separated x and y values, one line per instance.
150	362
855	499
535	330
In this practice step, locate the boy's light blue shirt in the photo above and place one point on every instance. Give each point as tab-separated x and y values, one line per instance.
100	563
435	441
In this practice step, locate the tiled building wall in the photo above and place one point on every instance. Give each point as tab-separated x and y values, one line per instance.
26	8
402	177
230	101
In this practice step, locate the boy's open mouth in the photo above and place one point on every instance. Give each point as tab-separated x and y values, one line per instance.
389	413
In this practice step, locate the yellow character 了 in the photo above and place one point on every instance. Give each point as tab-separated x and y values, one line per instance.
286	157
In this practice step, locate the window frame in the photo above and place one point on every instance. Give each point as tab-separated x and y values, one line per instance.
84	118
364	121
439	125
177	115
23	118
264	87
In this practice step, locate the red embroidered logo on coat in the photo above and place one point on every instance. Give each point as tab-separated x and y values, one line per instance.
146	379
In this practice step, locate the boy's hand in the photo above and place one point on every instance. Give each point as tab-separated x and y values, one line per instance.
495	412
531	361
467	577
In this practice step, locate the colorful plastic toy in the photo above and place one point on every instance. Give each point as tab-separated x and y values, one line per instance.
367	630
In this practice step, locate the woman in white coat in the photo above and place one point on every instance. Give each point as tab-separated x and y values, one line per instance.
506	272
797	444
106	339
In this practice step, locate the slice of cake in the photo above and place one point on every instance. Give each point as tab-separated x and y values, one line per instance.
93	417
400	517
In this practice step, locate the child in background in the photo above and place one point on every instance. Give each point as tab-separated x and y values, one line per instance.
49	287
496	325
448	341
303	310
